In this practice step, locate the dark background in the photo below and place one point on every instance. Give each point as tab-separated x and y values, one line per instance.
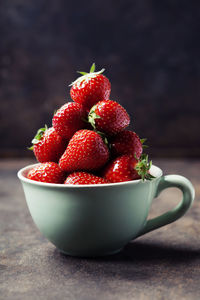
150	50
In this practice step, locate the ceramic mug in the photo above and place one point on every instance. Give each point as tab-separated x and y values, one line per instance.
96	220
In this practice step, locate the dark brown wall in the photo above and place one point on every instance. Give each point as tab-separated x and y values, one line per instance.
150	49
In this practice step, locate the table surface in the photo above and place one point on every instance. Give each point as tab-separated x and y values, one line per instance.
164	264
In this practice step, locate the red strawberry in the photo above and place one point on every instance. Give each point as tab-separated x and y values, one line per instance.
127	167
47	172
84	178
68	119
108	117
86	151
126	142
90	88
48	145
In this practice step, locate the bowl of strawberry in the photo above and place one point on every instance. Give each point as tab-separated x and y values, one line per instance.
92	186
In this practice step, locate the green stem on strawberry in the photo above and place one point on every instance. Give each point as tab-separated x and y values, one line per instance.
86	76
38	136
91	119
143	140
143	166
104	137
92	69
93	116
143	145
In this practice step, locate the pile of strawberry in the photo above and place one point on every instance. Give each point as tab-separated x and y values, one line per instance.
88	142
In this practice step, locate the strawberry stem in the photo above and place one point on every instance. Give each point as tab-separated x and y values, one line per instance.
93	116
143	145
143	140
92	69
103	136
143	166
86	76
82	73
38	136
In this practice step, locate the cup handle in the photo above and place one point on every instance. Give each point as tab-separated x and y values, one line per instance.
188	196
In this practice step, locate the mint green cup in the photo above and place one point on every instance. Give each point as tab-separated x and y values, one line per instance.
97	220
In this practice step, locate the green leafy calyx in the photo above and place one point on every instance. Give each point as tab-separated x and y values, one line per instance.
93	116
91	119
87	76
143	143
105	139
38	136
143	166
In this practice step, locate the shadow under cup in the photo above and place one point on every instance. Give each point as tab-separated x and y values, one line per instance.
96	220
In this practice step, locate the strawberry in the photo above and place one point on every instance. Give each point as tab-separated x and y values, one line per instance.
68	119
126	142
127	167
86	151
48	145
84	178
109	117
90	88
47	172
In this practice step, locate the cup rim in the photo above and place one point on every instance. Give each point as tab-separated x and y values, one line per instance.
23	171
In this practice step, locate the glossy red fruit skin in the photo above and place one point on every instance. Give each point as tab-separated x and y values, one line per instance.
50	147
84	178
113	117
68	119
86	151
47	172
126	142
121	169
89	92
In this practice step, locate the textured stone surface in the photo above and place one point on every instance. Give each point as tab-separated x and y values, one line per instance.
150	49
164	264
